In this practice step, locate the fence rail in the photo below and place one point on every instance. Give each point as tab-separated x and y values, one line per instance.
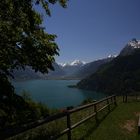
16	130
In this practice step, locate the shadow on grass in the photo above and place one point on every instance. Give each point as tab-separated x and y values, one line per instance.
94	127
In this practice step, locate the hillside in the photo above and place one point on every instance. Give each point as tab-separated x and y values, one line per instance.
120	123
120	76
72	68
90	68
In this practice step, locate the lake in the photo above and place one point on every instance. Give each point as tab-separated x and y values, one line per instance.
56	93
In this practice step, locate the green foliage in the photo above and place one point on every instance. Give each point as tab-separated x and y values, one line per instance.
45	4
39	109
6	88
21	110
26	95
22	40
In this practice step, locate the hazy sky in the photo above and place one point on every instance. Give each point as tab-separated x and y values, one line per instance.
92	29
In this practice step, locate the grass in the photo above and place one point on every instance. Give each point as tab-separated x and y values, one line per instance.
119	124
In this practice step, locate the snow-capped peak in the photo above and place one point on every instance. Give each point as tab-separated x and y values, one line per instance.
135	44
131	47
112	56
73	63
77	62
63	64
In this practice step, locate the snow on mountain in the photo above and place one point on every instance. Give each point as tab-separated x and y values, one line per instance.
63	64
74	63
134	44
77	63
130	47
112	56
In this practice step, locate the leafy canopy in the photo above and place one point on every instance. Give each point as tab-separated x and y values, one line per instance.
23	41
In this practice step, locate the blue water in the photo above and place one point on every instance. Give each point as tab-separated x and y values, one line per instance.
55	93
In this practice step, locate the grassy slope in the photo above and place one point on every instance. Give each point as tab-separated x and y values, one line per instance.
113	127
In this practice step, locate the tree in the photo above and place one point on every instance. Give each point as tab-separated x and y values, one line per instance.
22	40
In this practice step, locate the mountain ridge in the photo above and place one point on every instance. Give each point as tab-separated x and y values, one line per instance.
74	70
120	76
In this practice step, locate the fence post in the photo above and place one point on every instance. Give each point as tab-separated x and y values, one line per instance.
69	125
126	98
136	97
123	98
95	110
108	104
111	99
115	102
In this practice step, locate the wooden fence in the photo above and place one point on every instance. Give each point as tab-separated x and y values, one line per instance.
97	107
134	96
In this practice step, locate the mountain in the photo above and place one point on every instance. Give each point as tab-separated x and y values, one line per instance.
90	68
61	71
58	72
130	48
80	69
74	63
26	74
29	73
74	70
71	68
119	76
64	70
